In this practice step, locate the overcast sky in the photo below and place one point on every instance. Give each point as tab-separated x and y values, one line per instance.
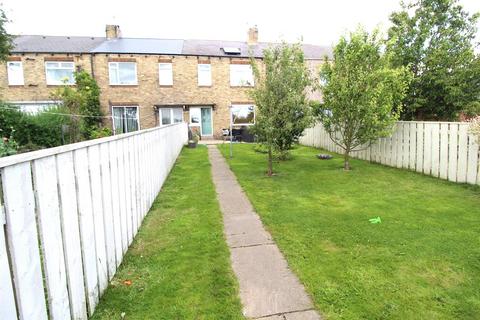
316	21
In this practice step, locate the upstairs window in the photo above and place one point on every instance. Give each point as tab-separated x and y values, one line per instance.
241	75
125	119
165	74
58	73
15	73
122	73
204	74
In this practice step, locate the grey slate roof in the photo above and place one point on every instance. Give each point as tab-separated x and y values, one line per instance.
139	45
60	44
56	44
214	48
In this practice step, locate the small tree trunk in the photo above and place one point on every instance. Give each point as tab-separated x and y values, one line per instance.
346	163
270	162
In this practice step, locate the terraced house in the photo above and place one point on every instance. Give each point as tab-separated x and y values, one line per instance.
144	82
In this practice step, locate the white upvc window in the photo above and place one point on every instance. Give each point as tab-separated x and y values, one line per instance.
59	72
15	73
243	114
241	75
170	115
204	74
165	74
125	119
122	73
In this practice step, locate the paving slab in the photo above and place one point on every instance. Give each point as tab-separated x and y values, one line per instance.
268	288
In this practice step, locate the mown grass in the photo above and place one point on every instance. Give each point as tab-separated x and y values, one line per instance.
178	264
421	262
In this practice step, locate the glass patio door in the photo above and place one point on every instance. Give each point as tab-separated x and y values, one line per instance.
206	114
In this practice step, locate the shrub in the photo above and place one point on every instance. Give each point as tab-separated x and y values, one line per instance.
34	131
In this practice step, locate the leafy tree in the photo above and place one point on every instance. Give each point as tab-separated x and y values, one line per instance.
282	109
434	39
83	104
362	93
73	102
88	88
6	40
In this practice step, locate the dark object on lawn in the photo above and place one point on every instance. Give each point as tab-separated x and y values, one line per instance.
324	156
192	144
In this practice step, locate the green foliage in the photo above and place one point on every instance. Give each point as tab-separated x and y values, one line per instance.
362	93
8	146
83	103
33	131
6	40
433	38
88	88
100	133
283	110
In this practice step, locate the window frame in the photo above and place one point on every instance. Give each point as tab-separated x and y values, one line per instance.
242	105
119	63
9	76
209	84
170	83
160	110
240	82
59	83
125	118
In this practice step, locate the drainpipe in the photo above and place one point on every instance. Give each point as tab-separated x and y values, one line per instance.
91	65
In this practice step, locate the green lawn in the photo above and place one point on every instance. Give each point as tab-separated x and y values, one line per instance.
421	262
179	263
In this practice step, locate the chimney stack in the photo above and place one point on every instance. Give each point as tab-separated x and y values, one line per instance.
112	31
252	36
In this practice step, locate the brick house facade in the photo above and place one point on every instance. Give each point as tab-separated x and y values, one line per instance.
207	107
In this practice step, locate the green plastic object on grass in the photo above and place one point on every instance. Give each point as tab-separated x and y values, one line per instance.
375	220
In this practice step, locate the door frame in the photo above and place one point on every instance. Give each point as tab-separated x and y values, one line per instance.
211	121
200	124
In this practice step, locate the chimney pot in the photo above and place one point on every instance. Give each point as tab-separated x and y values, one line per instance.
252	36
112	31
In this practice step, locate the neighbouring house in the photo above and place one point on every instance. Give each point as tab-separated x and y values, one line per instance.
145	82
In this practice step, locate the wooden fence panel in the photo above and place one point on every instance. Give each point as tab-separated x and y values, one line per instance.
473	161
435	149
7	296
108	222
75	209
441	149
98	216
453	152
71	235
48	208
23	241
443	170
116	211
87	233
462	153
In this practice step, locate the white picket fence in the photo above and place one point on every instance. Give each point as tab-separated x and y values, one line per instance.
71	213
442	149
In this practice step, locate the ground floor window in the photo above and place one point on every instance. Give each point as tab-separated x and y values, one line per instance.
125	119
243	114
170	115
34	107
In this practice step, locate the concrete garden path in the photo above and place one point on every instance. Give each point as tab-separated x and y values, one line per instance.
268	288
